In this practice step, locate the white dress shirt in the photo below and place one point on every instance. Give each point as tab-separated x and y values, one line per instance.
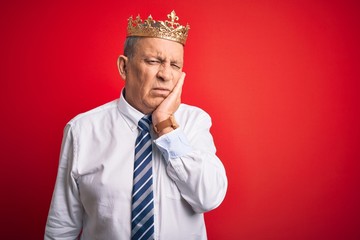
92	195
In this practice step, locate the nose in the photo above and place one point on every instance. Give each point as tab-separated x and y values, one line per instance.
165	73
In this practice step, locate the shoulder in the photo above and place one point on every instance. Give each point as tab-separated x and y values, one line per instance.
97	114
191	113
190	108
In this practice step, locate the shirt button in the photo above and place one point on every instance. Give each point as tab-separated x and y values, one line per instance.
172	153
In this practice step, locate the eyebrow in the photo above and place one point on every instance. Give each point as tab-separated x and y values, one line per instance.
163	59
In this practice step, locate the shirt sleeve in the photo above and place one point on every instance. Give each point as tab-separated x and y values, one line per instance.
192	163
65	214
173	145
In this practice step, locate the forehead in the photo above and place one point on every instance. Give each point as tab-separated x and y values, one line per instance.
160	48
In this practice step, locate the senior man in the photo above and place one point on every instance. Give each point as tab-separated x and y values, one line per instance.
143	166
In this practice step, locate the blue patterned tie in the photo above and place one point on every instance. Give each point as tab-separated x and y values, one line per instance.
142	215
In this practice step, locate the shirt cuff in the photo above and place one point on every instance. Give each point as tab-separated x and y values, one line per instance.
173	144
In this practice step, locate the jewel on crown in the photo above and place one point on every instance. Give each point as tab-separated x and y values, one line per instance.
168	29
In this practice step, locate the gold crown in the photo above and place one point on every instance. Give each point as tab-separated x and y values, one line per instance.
169	30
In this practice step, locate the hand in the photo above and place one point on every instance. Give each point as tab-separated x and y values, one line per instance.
170	104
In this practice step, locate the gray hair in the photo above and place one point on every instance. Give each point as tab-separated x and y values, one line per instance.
129	46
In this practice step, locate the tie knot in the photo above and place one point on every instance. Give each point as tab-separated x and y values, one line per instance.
145	123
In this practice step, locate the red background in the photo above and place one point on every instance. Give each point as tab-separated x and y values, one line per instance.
279	78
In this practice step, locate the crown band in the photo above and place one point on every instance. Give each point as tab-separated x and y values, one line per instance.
168	29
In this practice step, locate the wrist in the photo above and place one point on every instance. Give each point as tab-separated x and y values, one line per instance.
165	131
165	126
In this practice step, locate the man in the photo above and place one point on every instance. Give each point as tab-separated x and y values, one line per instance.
142	166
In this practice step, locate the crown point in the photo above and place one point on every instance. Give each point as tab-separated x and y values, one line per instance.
172	16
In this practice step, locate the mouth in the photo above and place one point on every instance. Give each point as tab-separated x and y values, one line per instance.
163	92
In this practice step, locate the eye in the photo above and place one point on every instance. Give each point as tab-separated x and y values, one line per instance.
176	66
152	61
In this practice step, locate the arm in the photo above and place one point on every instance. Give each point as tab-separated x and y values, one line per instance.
193	165
65	214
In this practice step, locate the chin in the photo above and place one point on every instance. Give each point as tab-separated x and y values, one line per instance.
154	103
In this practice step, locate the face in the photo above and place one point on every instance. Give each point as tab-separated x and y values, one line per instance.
152	72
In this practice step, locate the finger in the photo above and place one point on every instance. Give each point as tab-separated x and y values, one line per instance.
178	87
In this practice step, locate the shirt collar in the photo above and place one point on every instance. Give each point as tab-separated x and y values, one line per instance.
130	114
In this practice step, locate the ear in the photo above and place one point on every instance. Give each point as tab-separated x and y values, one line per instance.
122	64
